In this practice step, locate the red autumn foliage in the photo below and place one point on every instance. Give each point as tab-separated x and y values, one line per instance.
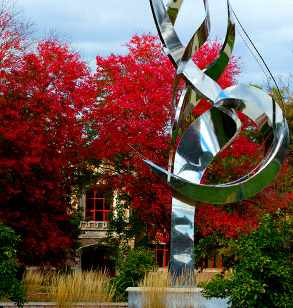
134	92
44	93
133	112
213	219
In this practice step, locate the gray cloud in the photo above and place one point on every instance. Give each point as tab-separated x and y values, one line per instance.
100	27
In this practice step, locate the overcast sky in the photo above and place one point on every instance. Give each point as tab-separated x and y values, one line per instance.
99	27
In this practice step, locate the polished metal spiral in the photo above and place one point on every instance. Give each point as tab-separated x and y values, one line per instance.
211	132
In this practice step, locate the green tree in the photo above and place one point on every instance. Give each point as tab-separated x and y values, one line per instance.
132	268
262	267
11	287
127	229
283	94
129	240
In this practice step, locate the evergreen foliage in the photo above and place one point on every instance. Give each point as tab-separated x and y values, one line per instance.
262	267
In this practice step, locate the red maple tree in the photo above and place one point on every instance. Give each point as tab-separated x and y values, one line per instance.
133	94
45	91
133	113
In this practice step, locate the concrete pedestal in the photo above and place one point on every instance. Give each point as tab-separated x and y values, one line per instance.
172	298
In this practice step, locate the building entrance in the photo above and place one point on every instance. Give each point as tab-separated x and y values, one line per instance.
95	258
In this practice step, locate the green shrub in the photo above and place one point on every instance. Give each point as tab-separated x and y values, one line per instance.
132	268
262	270
11	286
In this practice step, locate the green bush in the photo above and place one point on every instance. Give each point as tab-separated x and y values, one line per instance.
262	270
132	268
11	286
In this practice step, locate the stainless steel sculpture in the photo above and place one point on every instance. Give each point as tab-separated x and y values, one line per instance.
212	131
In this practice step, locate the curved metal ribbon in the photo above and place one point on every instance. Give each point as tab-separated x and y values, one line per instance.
213	131
210	133
275	131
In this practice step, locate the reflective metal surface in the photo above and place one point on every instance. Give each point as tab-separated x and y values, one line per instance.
210	133
182	233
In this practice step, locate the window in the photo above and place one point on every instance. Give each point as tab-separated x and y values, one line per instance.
215	262
162	255
97	207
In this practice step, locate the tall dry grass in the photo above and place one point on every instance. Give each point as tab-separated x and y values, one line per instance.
156	291
37	284
66	289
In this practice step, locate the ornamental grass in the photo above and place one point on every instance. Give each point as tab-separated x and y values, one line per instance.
66	289
156	289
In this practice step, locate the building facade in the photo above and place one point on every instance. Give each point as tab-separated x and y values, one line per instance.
97	206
